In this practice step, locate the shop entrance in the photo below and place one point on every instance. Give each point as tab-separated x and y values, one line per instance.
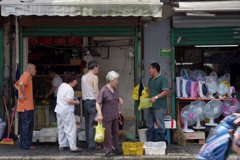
70	48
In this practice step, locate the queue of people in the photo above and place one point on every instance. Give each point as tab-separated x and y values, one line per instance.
103	103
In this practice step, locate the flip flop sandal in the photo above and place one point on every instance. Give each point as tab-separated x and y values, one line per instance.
76	150
63	148
96	147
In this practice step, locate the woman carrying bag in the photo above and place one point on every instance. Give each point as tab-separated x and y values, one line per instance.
108	114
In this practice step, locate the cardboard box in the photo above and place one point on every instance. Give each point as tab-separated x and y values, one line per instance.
195	135
75	61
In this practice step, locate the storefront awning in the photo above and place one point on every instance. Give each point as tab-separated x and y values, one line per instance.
93	8
211	6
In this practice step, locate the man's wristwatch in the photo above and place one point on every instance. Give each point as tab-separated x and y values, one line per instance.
156	97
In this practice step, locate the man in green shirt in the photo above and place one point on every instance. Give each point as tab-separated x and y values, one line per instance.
158	90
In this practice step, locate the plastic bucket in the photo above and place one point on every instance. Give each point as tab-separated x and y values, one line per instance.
142	135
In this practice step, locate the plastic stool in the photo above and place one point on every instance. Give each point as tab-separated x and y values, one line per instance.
167	136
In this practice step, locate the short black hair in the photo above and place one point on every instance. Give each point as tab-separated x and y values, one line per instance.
156	66
70	77
92	64
52	69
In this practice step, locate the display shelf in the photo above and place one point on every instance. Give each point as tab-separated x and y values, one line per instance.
57	64
204	99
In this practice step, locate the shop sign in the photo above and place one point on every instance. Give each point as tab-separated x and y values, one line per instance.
165	52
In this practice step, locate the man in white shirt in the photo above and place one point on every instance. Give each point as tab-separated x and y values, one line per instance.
56	82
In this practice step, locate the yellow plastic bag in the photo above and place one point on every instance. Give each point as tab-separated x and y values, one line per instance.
99	135
144	103
135	92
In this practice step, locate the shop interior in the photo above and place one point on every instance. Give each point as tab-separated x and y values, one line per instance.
71	55
205	74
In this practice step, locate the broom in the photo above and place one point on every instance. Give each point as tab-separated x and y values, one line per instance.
8	141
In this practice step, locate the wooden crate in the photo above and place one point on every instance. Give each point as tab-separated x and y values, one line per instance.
196	135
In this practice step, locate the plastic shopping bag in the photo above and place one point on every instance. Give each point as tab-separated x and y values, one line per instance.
135	93
99	135
144	103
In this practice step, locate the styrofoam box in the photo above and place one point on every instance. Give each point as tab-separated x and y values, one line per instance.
35	136
82	136
48	135
155	148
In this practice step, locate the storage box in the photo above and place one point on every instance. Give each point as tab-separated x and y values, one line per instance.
82	136
195	135
155	148
132	149
48	135
35	136
75	61
41	116
168	124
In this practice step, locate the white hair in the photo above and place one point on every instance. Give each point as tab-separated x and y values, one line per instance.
111	76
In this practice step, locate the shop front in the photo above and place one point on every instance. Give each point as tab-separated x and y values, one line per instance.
205	58
59	34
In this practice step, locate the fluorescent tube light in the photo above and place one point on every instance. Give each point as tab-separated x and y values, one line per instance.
216	45
201	14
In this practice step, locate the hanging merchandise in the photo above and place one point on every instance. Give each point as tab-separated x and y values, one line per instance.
200	106
186	83
188	117
211	83
230	106
212	111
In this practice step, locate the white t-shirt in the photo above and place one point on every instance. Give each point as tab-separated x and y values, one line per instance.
57	81
65	92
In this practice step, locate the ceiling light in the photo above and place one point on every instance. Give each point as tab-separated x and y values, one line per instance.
216	46
201	14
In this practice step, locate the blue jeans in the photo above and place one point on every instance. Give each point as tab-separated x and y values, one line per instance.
155	114
26	129
90	112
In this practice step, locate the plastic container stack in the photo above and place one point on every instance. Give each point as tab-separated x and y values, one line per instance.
132	149
142	135
155	148
48	135
41	116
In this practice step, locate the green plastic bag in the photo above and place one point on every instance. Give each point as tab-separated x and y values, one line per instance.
99	135
144	103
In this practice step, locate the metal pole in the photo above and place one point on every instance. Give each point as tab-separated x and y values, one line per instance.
173	75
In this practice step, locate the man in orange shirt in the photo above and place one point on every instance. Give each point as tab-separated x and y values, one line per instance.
25	106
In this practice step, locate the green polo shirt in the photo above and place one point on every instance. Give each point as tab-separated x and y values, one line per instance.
156	86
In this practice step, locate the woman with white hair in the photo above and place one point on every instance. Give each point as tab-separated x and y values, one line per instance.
108	112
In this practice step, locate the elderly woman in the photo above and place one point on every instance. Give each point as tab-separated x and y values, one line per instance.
108	113
67	130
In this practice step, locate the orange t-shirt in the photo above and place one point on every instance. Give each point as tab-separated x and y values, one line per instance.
26	79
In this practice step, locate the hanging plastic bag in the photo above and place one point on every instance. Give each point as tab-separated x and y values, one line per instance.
144	103
135	93
99	135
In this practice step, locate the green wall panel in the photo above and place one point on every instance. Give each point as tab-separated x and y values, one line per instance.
207	36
